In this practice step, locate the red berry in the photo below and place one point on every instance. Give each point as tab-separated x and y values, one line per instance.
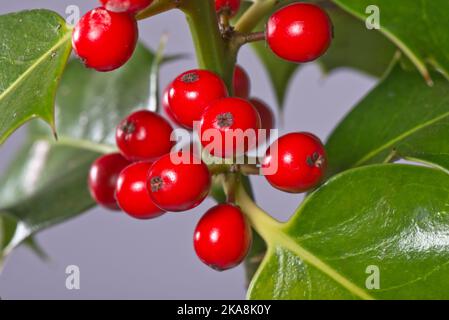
266	115
222	237
191	92
229	127
131	192
166	107
241	83
176	186
231	6
300	32
103	177
130	6
144	135
301	162
105	40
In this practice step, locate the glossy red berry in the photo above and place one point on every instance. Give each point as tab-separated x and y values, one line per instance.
266	115
144	135
105	40
301	162
191	92
130	6
230	6
229	127
299	32
103	177
222	237
241	83
131	192
176	186
166	107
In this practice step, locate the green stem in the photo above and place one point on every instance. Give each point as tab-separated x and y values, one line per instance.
211	49
250	169
216	169
251	18
261	221
157	7
230	185
245	169
219	55
239	39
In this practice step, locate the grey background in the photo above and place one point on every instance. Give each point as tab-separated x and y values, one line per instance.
122	258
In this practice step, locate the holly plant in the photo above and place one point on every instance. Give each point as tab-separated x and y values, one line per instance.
369	227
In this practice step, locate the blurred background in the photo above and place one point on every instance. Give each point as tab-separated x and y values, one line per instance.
122	258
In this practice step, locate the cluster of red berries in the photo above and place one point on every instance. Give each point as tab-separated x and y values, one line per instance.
105	38
149	177
144	181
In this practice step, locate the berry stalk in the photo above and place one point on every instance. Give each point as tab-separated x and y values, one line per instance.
254	15
218	54
157	7
260	220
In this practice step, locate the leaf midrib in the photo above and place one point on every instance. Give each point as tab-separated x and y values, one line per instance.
74	143
81	144
283	240
34	65
399	138
415	58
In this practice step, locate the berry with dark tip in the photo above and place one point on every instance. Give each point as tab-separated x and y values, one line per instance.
144	136
229	127
190	94
178	182
300	159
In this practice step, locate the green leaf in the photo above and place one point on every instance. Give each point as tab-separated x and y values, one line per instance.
280	72
418	28
47	182
401	118
255	256
258	246
34	48
354	46
392	217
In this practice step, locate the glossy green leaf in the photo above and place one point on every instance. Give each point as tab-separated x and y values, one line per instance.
34	48
418	28
255	256
47	182
385	222
401	118
98	101
258	246
354	46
